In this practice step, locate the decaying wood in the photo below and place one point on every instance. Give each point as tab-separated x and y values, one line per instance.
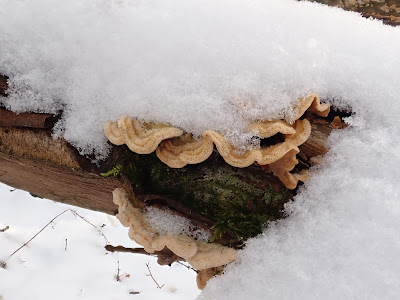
31	160
3	85
36	144
8	118
62	184
316	143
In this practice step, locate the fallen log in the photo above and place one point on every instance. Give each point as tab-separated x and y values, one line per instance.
234	202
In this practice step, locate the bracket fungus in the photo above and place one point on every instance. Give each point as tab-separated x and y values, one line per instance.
267	129
277	154
282	167
142	138
177	149
183	150
313	104
201	255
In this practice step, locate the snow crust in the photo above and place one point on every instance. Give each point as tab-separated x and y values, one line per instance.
205	64
167	223
198	65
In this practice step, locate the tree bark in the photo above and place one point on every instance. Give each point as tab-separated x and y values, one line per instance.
386	10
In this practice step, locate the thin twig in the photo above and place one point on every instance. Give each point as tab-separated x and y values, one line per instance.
117	276
188	267
51	221
84	219
112	248
66	244
43	228
165	256
152	277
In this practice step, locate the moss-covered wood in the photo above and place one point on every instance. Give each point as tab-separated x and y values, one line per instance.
239	201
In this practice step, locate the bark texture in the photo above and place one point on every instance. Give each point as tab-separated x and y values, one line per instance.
386	10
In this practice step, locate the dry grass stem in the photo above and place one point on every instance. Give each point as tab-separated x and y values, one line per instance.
3	264
152	277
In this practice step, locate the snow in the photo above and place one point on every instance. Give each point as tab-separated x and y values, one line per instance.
167	223
198	65
44	269
341	240
209	64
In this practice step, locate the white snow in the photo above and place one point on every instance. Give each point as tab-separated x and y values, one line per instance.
167	223
195	64
200	64
85	270
342	238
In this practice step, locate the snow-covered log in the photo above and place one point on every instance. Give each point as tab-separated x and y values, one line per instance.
30	159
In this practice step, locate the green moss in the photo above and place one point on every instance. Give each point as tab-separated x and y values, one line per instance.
239	201
113	172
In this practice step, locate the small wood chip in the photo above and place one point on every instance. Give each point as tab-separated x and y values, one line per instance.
134	293
5	229
337	123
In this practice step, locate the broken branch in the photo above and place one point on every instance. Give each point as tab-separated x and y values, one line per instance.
165	256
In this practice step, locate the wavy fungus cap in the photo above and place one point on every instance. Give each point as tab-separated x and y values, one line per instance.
177	149
142	138
200	255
